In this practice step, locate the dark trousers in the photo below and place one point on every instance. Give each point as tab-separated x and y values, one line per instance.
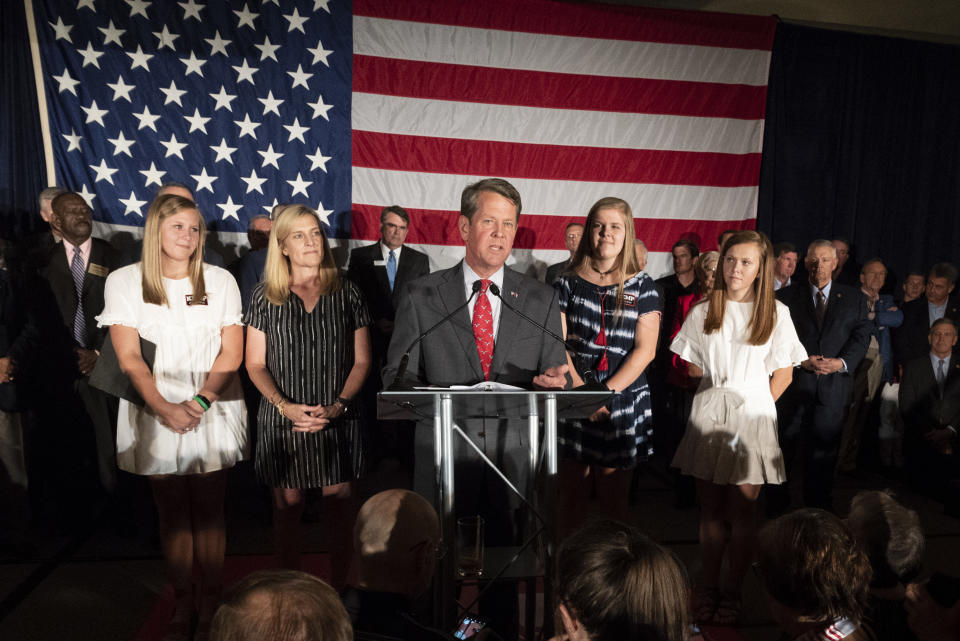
810	435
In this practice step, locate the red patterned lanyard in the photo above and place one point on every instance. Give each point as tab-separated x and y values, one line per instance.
601	339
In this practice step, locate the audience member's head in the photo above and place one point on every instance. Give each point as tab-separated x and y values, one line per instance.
614	583
942	337
891	536
397	542
394	225
842	245
724	237
873	275
705	269
72	217
175	188
786	257
641	250
940	282
281	605
684	252
913	285
813	570
45	199
571	237
258	231
821	262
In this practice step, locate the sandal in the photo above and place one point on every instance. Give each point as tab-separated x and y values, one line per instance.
705	603
728	609
180	626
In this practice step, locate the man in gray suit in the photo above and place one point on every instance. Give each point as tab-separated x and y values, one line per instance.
484	341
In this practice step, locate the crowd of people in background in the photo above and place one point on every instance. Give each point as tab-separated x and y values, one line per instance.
754	368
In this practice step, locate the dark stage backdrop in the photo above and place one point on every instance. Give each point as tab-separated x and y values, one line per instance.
862	140
21	146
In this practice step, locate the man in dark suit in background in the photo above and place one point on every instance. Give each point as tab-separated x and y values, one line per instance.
76	271
930	405
381	271
910	339
571	239
831	322
483	341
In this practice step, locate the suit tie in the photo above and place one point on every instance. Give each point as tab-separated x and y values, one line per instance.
392	268
79	322
941	376
483	329
821	307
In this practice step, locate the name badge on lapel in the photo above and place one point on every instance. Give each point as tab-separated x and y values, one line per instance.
191	301
379	263
98	270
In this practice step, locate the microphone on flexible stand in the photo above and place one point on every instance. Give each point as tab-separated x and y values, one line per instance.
402	367
590	382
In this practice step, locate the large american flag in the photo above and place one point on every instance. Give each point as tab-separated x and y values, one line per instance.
350	108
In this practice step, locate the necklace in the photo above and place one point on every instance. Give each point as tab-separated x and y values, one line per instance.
603	274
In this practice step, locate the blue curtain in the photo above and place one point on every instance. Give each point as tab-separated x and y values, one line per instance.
21	146
862	140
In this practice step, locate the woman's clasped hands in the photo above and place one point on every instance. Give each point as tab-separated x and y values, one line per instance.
310	418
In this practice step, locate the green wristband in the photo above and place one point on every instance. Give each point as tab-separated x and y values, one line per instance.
202	402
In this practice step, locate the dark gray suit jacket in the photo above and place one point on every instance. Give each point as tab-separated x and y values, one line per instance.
449	355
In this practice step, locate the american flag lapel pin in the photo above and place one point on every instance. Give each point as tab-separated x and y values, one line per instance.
514	294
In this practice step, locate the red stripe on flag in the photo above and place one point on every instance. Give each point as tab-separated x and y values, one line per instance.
438	81
433	227
552	162
585	21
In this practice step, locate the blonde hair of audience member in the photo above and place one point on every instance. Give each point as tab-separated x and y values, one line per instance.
276	273
164	207
396	538
281	605
890	534
626	264
640	249
615	583
764	315
813	570
705	269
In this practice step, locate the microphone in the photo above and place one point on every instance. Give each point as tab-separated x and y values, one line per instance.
590	384
402	367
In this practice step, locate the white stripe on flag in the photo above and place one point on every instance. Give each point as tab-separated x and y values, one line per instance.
479	121
533	262
557	197
560	54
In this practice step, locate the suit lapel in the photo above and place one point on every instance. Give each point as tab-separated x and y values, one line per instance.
806	304
452	295
835	300
94	259
509	322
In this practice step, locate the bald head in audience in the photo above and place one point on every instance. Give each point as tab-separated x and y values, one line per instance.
281	605
396	539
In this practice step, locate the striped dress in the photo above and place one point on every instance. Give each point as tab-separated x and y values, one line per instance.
309	356
601	341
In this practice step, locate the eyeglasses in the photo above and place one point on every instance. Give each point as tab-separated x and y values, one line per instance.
438	550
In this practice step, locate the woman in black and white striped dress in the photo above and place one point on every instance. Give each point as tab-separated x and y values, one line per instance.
308	352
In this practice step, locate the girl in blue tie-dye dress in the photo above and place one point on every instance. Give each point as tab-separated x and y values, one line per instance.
611	315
